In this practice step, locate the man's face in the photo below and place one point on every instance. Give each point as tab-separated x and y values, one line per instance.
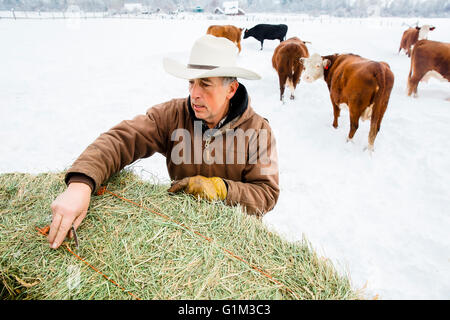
210	98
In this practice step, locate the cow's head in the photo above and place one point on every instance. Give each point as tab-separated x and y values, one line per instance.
246	34
423	31
313	67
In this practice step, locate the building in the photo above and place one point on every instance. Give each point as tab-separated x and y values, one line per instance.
232	8
73	8
218	11
133	7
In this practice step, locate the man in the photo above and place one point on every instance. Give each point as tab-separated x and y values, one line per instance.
216	146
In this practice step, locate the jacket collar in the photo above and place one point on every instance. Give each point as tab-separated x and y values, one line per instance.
238	105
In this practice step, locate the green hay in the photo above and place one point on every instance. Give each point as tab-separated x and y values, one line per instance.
151	257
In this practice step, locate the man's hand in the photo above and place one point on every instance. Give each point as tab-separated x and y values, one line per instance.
70	207
207	188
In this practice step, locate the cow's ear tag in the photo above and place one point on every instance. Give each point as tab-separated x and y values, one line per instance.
326	67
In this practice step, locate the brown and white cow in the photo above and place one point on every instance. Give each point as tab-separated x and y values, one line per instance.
428	59
412	35
286	61
228	31
361	85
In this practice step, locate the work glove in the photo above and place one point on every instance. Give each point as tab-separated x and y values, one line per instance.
206	188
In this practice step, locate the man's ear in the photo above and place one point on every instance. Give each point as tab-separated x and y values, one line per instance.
232	88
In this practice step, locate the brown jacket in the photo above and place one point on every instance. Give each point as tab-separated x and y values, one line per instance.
251	177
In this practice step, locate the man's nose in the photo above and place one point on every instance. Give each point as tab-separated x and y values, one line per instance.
195	90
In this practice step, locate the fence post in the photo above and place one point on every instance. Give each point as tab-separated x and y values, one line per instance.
14	15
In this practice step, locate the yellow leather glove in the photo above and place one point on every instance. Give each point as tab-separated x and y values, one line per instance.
206	188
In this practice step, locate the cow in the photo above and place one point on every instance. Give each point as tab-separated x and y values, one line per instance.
412	35
361	85
428	59
228	31
267	31
286	61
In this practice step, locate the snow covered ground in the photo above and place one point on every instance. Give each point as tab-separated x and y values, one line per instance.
383	219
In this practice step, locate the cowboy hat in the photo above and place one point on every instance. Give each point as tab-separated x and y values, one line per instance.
210	57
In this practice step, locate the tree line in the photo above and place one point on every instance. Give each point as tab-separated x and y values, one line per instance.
339	8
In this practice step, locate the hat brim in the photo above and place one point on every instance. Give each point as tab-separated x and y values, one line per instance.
182	71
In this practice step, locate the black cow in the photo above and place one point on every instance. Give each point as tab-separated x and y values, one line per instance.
267	31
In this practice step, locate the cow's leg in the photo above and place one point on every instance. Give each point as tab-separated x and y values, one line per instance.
374	128
262	43
408	51
379	121
282	80
239	46
354	122
295	80
291	84
375	124
413	82
336	113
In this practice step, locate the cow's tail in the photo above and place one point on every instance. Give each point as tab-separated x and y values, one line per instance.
379	94
410	86
290	74
410	70
402	44
385	82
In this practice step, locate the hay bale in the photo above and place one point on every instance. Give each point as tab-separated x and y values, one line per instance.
148	255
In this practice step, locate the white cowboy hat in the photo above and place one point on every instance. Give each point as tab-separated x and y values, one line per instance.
210	57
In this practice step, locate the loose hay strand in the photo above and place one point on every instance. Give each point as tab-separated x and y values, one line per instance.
101	273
